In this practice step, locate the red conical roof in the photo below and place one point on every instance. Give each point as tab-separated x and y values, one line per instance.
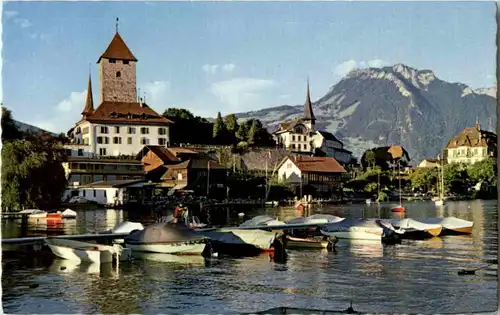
117	49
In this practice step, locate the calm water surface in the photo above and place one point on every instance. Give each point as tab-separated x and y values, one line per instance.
416	276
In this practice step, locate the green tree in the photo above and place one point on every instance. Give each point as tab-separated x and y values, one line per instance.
455	178
32	174
232	123
219	127
178	113
424	179
370	158
10	131
252	132
242	132
483	171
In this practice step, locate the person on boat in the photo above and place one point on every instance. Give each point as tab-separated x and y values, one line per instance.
178	213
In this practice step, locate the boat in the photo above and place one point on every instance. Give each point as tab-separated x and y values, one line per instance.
360	229
167	238
34	213
240	242
68	214
298	242
262	220
451	225
86	252
415	229
125	227
54	216
399	208
313	219
439	201
169	258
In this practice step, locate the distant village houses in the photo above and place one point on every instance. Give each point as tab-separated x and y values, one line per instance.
301	136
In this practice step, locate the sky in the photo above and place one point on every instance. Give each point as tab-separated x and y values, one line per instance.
231	56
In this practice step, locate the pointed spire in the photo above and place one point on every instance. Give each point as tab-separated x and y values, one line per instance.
308	112
117	49
89	103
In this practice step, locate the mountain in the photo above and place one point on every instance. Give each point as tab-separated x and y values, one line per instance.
30	128
392	105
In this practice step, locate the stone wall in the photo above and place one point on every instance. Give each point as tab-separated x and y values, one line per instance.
114	87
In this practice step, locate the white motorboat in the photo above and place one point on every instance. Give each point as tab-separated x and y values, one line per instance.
68	214
167	238
451	225
358	229
124	227
34	213
86	252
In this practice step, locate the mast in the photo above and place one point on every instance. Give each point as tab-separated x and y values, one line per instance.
399	177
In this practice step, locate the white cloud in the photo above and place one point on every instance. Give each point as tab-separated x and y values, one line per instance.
75	102
229	67
157	93
10	14
213	69
347	66
241	94
23	22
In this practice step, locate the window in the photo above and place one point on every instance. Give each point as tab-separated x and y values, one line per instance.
104	129
304	146
299	138
145	130
129	140
95	193
102	151
179	176
104	140
117	129
162	131
84	193
104	193
293	138
99	139
117	140
289	165
293	146
118	74
80	152
144	141
125	62
131	130
162	141
112	60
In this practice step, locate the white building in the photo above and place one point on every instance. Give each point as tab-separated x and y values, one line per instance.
471	145
111	193
301	136
122	124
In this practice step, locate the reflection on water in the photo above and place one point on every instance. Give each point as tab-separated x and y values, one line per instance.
417	276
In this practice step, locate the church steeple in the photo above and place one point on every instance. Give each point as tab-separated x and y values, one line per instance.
89	102
308	111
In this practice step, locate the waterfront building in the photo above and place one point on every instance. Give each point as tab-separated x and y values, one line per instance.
429	163
113	192
388	156
315	176
178	168
123	122
301	136
471	145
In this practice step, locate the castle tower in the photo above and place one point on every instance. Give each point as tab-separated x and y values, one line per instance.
309	119
117	72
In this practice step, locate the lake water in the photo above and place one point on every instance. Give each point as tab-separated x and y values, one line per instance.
415	276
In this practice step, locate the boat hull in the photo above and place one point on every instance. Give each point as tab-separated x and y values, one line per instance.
355	234
295	242
169	248
86	252
463	230
398	209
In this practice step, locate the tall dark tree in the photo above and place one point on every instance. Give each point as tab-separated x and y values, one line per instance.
187	128
252	132
10	131
242	132
219	127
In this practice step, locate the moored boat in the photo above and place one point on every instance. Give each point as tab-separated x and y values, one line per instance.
86	252
415	229
298	242
360	229
68	214
168	239
262	220
451	225
34	213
